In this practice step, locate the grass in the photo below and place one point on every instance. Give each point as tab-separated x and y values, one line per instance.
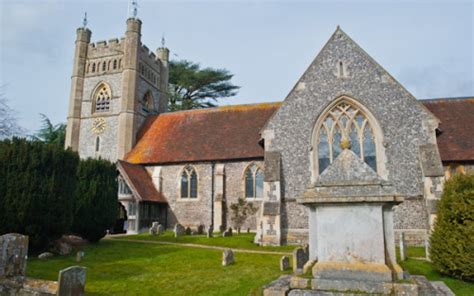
421	267
115	267
237	241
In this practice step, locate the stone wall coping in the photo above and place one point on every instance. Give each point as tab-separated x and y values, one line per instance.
349	199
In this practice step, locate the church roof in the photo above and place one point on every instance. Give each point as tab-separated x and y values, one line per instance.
456	140
221	133
140	182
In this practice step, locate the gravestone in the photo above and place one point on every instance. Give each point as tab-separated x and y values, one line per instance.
299	258
79	256
72	281
45	255
284	263
403	246
178	230
227	257
188	231
230	231
210	231
200	229
154	228
13	255
161	229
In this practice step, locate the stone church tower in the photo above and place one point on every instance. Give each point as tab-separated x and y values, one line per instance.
115	85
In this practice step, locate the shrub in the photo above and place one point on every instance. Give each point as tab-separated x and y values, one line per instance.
452	240
240	212
96	198
36	182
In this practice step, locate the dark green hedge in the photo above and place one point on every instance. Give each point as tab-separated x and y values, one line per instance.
46	191
452	241
96	198
37	183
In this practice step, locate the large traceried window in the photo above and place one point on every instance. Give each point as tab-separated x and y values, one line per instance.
189	183
345	126
102	98
147	102
253	182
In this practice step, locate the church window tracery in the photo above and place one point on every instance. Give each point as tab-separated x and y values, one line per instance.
102	98
345	126
189	183
253	182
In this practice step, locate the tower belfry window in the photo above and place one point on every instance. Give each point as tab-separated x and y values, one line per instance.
102	98
341	69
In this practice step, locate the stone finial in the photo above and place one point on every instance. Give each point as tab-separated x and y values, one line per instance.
345	144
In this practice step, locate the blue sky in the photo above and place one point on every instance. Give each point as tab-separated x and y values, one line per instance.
427	45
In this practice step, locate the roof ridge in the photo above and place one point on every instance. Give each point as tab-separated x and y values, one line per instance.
223	107
448	99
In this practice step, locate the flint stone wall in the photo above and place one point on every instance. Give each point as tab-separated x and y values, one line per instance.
399	115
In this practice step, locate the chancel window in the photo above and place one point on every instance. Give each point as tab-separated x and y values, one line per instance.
189	183
345	126
253	182
102	98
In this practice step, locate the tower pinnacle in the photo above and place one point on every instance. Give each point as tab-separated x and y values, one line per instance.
84	20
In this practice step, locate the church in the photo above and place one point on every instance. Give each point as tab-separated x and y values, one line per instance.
188	167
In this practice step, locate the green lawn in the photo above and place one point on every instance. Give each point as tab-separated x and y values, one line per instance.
237	241
124	268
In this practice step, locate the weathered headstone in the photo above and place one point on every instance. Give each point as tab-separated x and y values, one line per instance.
200	229
154	228
230	231
188	231
227	257
13	255
298	260
226	234
79	256
284	263
210	231
45	255
178	230
161	229
403	246
72	281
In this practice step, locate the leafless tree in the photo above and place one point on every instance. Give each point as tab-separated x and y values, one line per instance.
8	121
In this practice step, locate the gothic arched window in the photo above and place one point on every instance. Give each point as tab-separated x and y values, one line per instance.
253	182
147	102
102	98
345	126
189	183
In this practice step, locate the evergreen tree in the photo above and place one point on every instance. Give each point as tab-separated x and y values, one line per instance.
452	240
96	198
50	133
192	87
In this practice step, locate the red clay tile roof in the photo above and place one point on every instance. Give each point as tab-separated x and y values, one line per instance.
456	141
222	133
140	182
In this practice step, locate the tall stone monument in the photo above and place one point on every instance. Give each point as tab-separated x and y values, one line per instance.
351	232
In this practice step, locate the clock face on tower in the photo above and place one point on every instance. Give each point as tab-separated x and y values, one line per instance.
99	125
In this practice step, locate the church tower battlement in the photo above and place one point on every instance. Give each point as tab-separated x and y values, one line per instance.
115	85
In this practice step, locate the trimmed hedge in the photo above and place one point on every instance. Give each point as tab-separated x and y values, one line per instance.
452	240
46	191
96	198
37	183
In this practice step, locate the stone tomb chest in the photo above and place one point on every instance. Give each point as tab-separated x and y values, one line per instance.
351	227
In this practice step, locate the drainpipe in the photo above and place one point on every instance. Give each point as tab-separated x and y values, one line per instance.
213	165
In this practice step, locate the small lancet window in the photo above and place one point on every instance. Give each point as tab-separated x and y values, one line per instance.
147	102
97	144
341	69
345	125
253	182
93	67
104	66
102	98
189	183
114	65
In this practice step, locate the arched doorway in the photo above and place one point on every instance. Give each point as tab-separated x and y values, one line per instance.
121	219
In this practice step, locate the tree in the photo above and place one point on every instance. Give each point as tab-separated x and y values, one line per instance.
240	212
8	122
452	240
192	87
51	134
96	198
